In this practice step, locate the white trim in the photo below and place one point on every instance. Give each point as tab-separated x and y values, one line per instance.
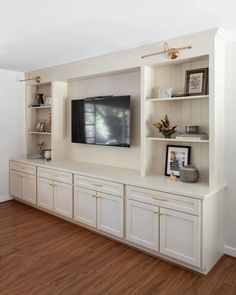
230	251
5	198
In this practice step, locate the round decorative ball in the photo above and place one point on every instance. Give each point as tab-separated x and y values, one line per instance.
189	174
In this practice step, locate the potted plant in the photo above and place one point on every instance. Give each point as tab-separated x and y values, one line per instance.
165	128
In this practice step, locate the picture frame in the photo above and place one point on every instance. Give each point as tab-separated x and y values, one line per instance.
196	82
176	156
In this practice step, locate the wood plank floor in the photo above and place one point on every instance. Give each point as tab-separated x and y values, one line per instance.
42	254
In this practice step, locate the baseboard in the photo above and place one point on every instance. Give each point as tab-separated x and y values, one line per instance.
230	251
5	198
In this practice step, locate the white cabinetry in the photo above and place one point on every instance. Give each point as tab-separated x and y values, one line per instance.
45	193
99	210
16	184
142	224
85	206
180	236
63	199
110	214
149	224
54	195
23	184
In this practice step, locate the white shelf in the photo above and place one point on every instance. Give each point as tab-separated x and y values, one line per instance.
177	140
177	98
42	133
41	107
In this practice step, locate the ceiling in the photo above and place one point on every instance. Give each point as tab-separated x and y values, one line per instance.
39	34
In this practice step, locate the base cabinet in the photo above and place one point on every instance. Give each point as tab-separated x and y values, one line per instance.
23	186
110	214
29	188
45	193
180	236
142	224
16	184
62	199
55	196
99	210
85	206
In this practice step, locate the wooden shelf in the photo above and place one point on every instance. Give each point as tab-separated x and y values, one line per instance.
177	140
42	133
177	98
41	107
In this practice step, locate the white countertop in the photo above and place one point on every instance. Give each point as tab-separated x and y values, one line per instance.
127	176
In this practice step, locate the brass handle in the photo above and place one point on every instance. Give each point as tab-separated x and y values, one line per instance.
160	199
94	196
97	184
155	211
162	214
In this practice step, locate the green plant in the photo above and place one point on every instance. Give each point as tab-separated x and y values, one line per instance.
165	128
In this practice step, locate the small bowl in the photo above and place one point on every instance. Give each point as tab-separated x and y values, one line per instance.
192	129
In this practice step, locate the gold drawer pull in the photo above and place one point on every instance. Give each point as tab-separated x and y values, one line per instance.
160	199
97	184
155	211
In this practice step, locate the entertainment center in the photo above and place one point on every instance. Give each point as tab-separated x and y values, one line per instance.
123	192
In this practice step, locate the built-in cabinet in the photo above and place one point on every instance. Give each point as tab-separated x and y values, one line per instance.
22	183
99	210
55	191
142	224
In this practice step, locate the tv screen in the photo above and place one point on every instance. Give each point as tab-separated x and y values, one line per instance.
102	121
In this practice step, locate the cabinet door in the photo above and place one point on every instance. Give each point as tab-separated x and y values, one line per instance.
16	184
85	206
180	236
29	188
45	193
142	224
63	199
110	216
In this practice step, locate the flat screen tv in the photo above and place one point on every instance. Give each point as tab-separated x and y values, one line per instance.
103	120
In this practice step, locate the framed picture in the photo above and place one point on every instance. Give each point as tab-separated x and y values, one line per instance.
176	157
196	82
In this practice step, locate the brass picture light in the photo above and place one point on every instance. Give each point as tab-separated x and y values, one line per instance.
172	53
36	78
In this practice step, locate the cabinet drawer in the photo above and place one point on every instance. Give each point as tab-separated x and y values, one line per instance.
165	200
99	185
23	167
55	175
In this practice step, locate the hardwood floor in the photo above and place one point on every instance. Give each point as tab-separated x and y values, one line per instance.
42	254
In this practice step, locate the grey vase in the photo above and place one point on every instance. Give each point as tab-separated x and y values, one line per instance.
189	174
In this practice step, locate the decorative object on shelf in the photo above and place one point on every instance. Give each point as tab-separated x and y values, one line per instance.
41	126
173	176
192	136
47	154
176	157
40	146
39	98
180	94
189	174
172	53
35	156
165	93
48	101
196	82
37	79
164	127
192	129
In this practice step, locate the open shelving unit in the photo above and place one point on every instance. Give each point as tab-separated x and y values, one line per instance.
53	116
201	110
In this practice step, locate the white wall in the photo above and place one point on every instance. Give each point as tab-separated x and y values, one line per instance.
119	84
230	225
11	123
